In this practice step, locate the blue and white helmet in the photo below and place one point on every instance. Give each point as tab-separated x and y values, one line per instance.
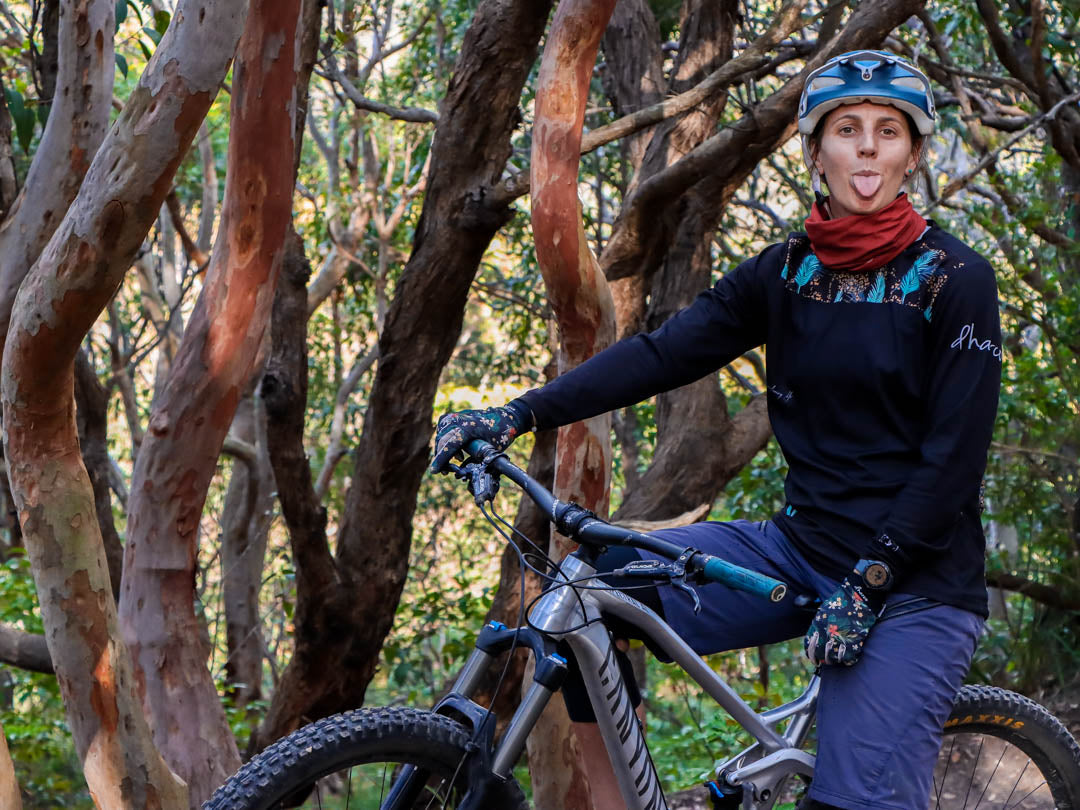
878	77
855	77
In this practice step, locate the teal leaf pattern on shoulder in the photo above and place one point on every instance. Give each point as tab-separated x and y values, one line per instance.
921	269
877	290
809	268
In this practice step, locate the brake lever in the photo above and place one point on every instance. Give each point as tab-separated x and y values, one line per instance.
482	484
673	572
678	578
680	583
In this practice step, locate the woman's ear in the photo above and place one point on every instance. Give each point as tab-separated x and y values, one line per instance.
913	159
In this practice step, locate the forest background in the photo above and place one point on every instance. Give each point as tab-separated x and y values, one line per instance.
280	269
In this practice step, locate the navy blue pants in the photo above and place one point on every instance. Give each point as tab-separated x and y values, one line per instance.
879	722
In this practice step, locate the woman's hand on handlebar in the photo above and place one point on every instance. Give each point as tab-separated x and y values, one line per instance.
500	426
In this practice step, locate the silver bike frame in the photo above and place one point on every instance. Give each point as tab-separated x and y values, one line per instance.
572	613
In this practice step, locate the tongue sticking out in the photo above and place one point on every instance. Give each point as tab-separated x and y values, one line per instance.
866	185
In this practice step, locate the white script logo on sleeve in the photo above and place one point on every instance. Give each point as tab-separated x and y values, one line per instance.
967	340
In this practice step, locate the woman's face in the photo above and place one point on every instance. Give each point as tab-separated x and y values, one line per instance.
864	154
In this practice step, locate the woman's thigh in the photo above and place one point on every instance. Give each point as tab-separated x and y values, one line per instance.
880	721
731	619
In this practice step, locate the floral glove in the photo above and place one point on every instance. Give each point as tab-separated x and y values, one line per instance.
841	625
500	426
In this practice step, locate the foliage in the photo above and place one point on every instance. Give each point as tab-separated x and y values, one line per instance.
357	168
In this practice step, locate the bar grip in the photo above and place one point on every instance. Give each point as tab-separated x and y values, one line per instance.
735	576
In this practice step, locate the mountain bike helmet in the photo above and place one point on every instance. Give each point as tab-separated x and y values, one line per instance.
878	77
874	76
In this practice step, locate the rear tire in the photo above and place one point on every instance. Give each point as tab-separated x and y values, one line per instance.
1002	750
318	766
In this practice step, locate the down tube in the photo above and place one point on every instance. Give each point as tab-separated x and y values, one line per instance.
634	769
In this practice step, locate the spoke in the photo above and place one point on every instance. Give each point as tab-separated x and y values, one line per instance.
348	791
1016	785
1030	792
986	787
974	768
948	764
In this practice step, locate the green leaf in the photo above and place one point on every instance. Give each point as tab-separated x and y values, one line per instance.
22	117
161	21
146	51
121	12
154	35
121	64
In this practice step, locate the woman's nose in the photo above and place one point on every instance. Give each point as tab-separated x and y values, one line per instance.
867	144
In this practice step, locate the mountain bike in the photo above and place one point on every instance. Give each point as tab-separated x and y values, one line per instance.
1001	750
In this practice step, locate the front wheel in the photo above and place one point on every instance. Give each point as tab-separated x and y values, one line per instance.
392	759
1002	750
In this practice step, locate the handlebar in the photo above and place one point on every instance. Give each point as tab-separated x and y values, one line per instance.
583	526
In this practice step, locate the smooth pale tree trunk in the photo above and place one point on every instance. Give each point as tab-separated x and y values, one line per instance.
70	284
585	313
9	786
191	415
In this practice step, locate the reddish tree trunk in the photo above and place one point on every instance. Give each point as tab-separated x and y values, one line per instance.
583	308
75	277
191	416
9	788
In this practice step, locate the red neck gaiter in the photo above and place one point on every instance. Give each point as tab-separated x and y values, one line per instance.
864	241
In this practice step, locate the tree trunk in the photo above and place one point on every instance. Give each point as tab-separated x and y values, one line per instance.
245	524
9	787
75	277
92	415
585	314
331	668
76	126
9	178
191	416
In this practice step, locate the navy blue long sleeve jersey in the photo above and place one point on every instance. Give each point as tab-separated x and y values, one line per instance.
882	387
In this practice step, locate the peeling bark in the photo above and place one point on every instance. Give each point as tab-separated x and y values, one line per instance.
73	280
585	313
75	129
192	414
458	220
9	788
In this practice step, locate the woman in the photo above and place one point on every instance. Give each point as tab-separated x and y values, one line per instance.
884	363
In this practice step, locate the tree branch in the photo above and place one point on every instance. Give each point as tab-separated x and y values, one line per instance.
1040	592
960	182
415	114
24	650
